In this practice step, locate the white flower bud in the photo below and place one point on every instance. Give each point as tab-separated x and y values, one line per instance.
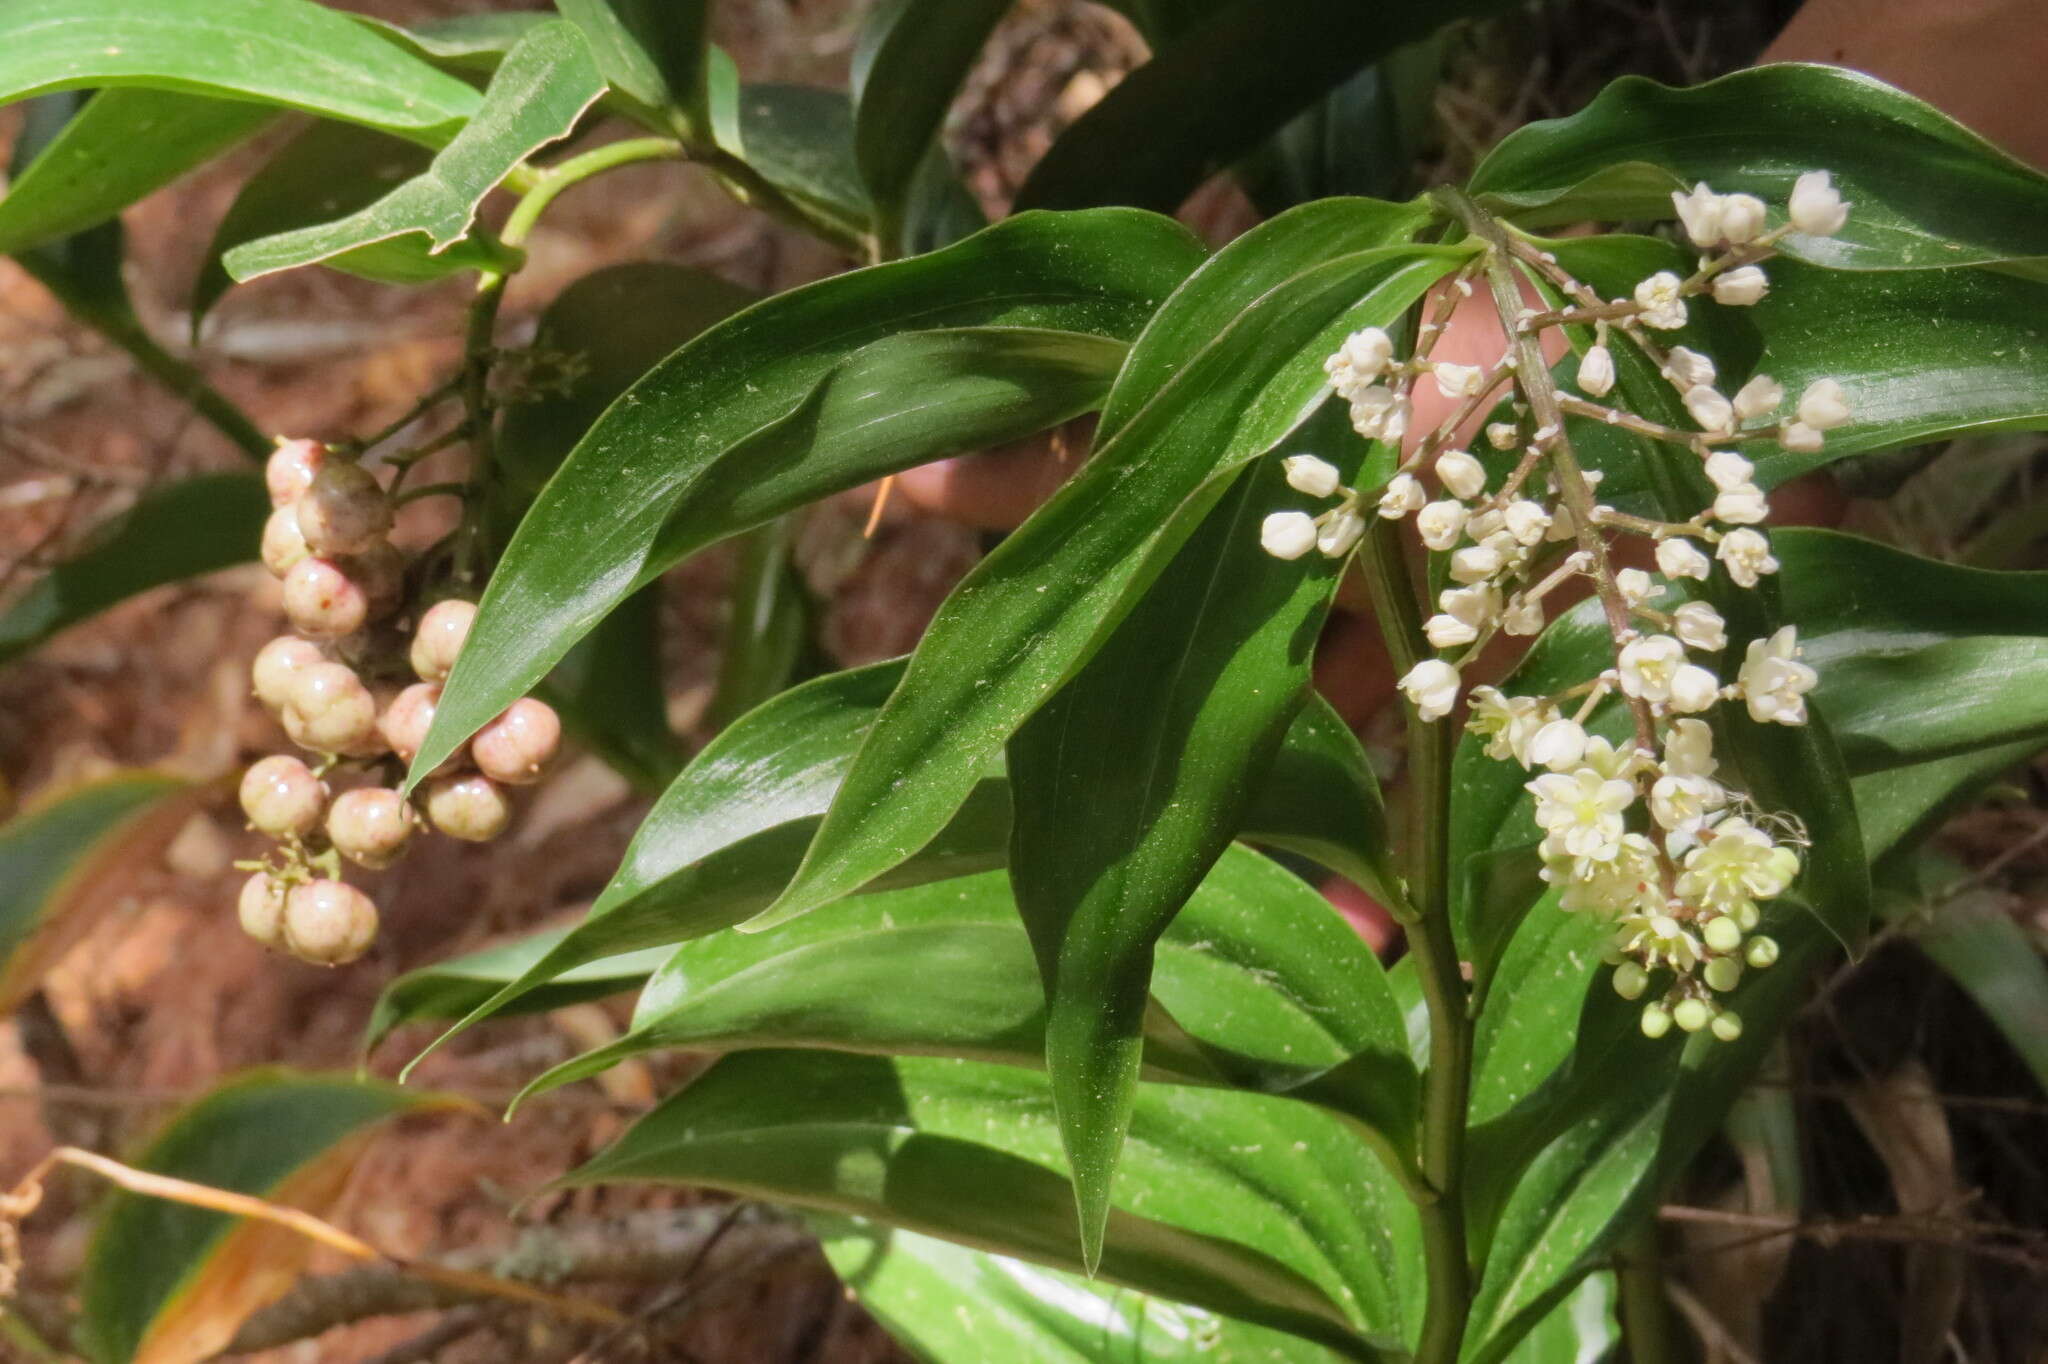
1662	304
1362	358
1700	212
1800	438
1744	505
1709	409
1447	632
1475	564
1403	495
1742	218
1461	475
1432	686
1741	287
1816	208
1689	749
1308	474
1692	1014
1680	558
1503	435
1484	525
1341	534
1747	556
1635	586
1698	625
1823	406
1725	470
1687	368
1526	521
1441	523
1596	371
1458	381
1694	689
1558	745
1758	398
1288	534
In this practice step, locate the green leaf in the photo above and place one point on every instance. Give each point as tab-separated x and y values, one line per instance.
449	989
167	1281
122	145
912	59
725	838
1216	91
767	625
1135	776
609	692
1900	806
179	530
460	42
1363	137
800	139
652	52
1229	366
794	399
1973	938
290	53
1263	987
1926	192
61	859
948	1304
535	97
1320	1244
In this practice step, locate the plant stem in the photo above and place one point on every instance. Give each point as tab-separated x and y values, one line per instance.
553	180
1447	1085
187	382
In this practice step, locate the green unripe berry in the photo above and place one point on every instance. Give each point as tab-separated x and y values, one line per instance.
439	638
328	923
1747	916
260	908
283	546
334	711
371	826
1723	974
345	511
1727	1026
1722	934
1692	1014
322	600
515	747
290	469
282	797
277	666
1630	980
472	808
1761	952
1656	1021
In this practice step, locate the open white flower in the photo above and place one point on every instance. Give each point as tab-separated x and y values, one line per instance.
1341	533
1741	287
1618	764
1441	523
1687	368
1507	723
1773	681
1689	749
1596	372
1558	745
1659	940
1403	494
1662	302
1432	685
1311	475
1526	521
1823	406
1647	666
1681	558
1709	408
1628	883
1682	803
1693	689
1698	625
1580	812
1288	534
1362	358
1747	556
1461	474
1758	398
1635	586
1735	867
1700	213
1378	413
1816	207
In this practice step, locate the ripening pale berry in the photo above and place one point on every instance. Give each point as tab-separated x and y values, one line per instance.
472	808
1692	1014
260	907
328	923
345	511
1761	952
1723	973
290	469
282	797
1727	1026
283	546
1630	980
321	600
519	744
1656	1021
408	718
441	633
334	710
1722	934
371	826
278	665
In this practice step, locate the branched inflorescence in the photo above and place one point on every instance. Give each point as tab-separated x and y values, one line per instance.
1646	831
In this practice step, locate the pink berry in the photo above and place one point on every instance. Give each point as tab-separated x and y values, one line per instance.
328	923
290	469
515	747
261	909
439	638
345	511
475	809
283	546
323	601
282	797
278	664
371	826
334	710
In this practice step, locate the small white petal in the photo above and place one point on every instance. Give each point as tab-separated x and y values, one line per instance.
1800	438
1743	505
1742	218
1680	558
1463	475
1823	406
1440	523
1741	287
1288	535
1758	398
1525	521
1726	469
1308	474
1693	688
1340	533
1432	685
1458	381
1687	368
1635	586
1448	632
1816	208
1558	745
1698	625
1709	409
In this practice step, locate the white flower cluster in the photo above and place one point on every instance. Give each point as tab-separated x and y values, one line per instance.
1645	832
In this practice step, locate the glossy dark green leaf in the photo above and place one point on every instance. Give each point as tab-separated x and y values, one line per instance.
652	52
609	692
948	1304
122	145
61	861
793	399
767	625
1135	776
1926	193
1216	91
1900	806
800	139
177	531
535	97
460	42
724	839
1230	365
1362	137
166	1281
449	989
1320	1244
912	59
290	53
1973	937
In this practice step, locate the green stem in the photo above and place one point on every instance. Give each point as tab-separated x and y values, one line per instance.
552	181
187	382
1447	1085
1645	1319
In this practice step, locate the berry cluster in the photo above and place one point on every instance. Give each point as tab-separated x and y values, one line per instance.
1645	830
337	688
